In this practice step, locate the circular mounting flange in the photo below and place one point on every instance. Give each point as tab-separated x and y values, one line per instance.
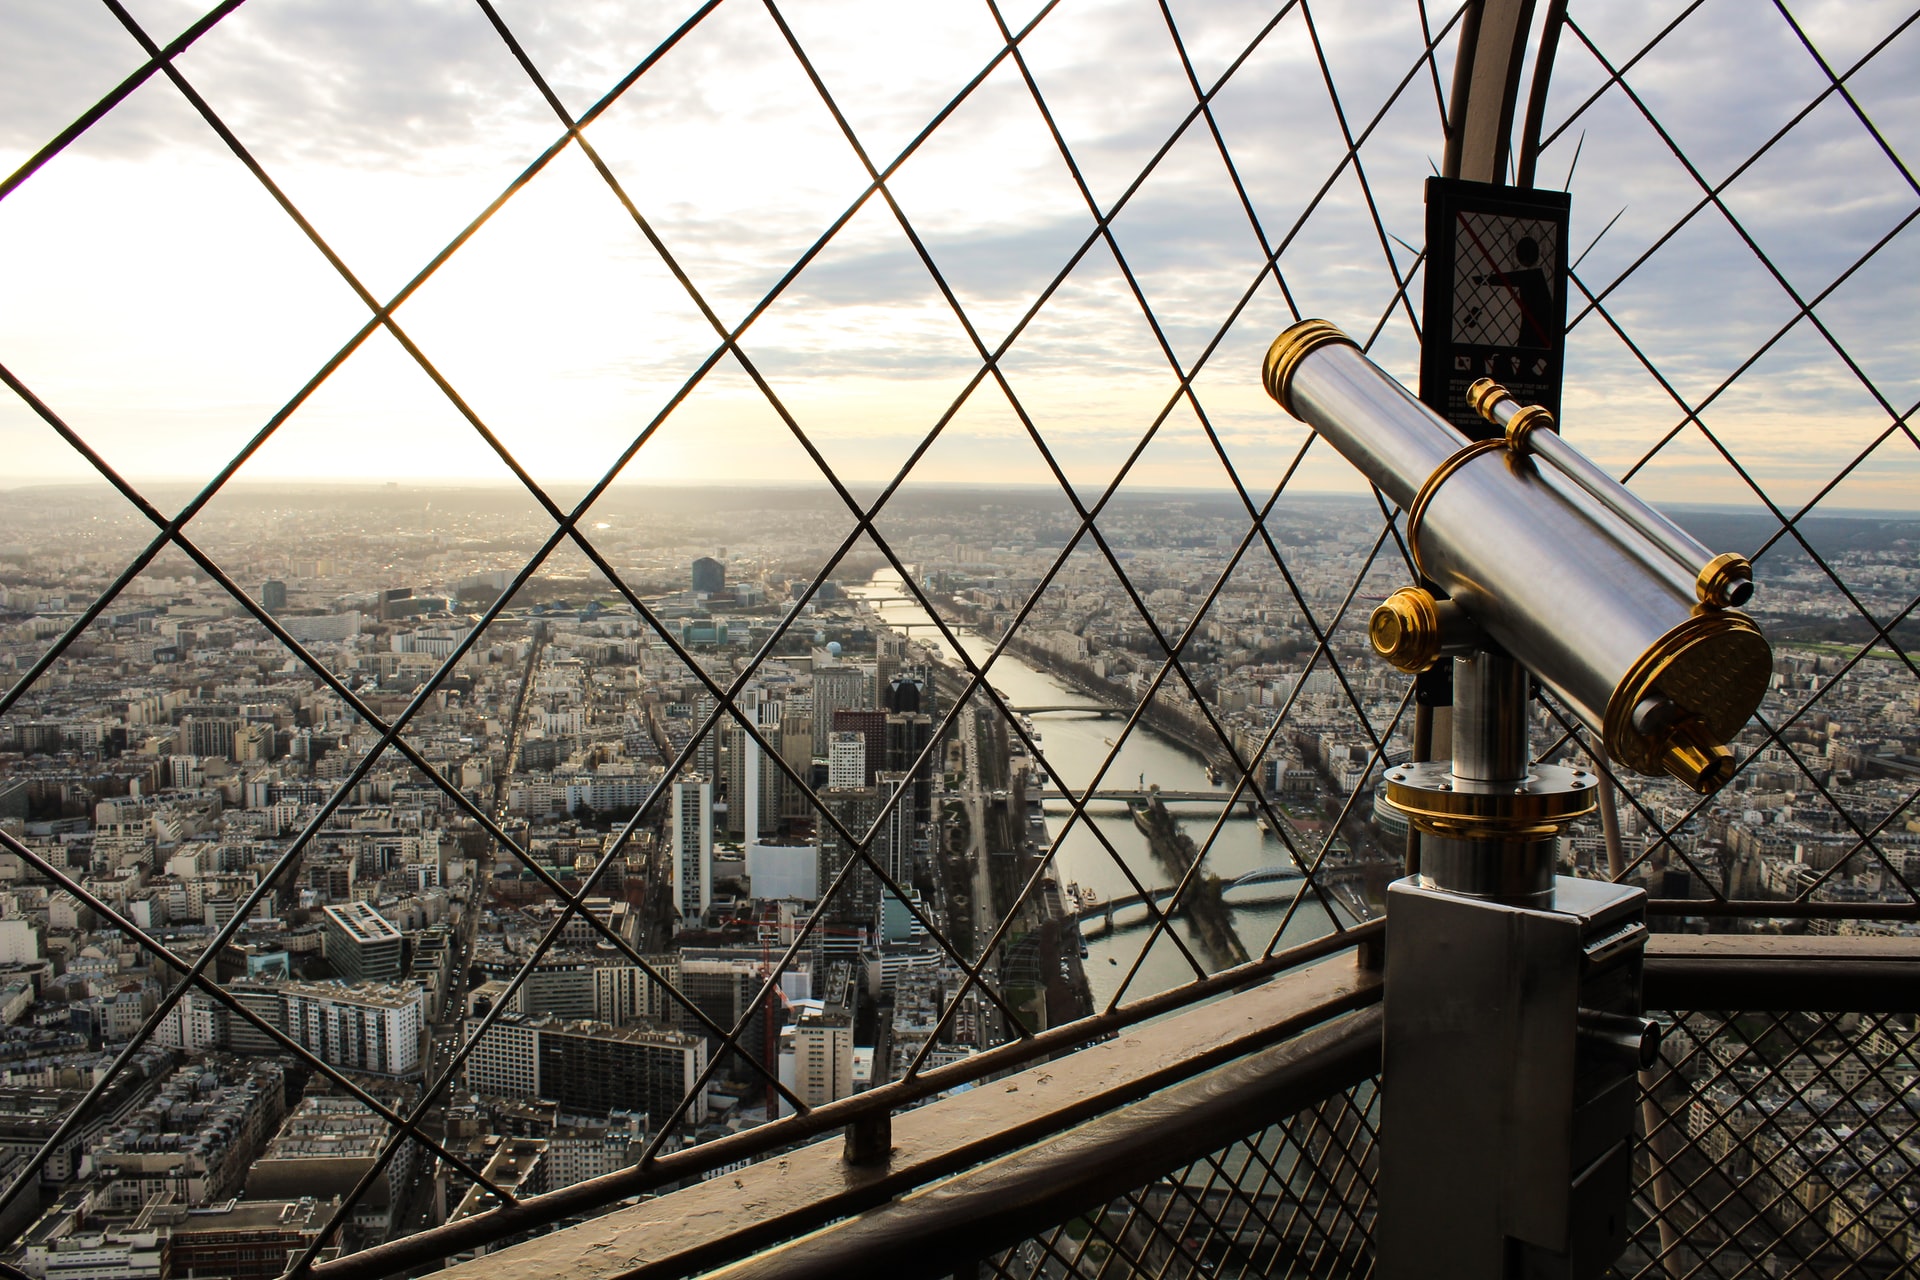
1532	808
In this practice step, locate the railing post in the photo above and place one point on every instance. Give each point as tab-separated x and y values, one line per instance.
870	1139
1371	953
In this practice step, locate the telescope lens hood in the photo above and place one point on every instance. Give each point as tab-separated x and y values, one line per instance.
1289	349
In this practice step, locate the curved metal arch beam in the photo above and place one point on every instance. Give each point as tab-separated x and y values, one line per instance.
1486	86
1537	93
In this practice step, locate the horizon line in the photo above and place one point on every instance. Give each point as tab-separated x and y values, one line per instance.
470	483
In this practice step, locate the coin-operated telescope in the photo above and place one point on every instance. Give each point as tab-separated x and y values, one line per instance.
1513	1020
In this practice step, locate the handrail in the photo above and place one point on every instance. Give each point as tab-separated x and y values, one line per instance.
714	1223
1761	973
979	1171
869	1108
923	1235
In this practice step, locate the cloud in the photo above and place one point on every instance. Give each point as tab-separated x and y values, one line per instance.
1704	302
391	124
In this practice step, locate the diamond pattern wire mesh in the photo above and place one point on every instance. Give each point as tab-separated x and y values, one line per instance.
1767	1144
1367	122
1778	1144
1760	358
1292	1200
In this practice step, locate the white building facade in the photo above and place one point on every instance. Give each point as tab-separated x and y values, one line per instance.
363	1027
692	846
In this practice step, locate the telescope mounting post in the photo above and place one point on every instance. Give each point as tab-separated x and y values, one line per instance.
1512	1013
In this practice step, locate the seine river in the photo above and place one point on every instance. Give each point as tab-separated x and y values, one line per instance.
1074	746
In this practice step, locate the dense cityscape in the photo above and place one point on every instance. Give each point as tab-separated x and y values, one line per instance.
775	904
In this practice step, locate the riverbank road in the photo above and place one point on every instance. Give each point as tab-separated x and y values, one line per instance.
973	796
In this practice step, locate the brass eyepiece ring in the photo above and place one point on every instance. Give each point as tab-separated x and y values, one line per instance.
1417	512
1484	394
1289	349
1725	581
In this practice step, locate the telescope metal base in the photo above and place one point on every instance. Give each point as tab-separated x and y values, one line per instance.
1505	1132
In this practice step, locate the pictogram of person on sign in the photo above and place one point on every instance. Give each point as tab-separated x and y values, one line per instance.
1528	284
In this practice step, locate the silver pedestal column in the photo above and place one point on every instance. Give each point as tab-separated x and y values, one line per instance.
1512	1014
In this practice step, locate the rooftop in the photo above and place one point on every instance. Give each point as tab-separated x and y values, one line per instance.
360	922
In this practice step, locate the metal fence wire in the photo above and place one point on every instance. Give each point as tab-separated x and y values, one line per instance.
1293	1200
1724	300
1778	1144
1768	1144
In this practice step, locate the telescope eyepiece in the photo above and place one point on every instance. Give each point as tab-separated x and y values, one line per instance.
1681	744
1692	756
1726	581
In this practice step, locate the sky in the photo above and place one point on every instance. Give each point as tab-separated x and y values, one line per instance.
158	299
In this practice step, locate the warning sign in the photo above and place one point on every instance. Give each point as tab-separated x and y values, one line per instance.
1497	308
1502	292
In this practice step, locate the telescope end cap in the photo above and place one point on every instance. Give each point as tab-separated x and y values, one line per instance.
1690	692
1289	349
1726	581
1405	630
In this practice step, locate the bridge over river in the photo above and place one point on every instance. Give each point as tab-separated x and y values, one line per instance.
1134	795
1093	709
1129	911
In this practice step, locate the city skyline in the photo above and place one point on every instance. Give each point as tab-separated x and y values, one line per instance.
179	753
575	853
732	947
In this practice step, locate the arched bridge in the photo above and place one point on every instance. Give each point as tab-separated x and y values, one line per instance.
1266	875
1098	918
1090	708
1132	795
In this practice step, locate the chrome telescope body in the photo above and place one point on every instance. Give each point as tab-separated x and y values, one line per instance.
1620	613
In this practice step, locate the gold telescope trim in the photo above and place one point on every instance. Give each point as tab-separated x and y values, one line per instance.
1725	580
1534	808
1714	668
1484	394
1418	511
1484	828
1289	349
1524	423
1484	398
1405	630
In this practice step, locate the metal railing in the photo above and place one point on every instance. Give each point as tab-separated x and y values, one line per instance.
1771	1140
1775	1140
1276	259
